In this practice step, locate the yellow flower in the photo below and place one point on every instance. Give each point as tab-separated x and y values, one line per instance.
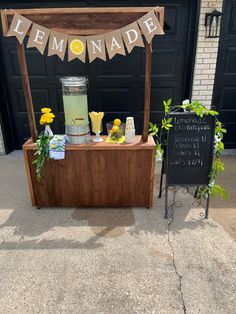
47	118
45	110
42	121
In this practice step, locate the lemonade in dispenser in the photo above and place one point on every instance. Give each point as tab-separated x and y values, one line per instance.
76	109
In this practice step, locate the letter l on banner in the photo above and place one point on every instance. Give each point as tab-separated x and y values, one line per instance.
19	27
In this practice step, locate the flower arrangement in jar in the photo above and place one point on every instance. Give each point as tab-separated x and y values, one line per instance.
43	140
46	119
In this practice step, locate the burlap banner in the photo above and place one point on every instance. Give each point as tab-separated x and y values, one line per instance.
113	43
19	27
57	44
76	48
38	37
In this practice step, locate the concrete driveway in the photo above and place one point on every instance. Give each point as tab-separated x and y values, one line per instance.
114	260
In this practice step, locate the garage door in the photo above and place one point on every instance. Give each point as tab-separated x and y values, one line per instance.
225	80
116	87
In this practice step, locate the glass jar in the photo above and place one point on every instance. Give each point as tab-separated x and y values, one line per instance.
75	100
75	103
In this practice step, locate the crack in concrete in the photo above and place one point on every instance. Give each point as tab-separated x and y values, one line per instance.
175	268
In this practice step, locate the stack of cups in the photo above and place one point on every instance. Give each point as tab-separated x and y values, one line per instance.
129	130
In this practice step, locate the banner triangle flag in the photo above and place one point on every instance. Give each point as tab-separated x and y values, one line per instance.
38	37
150	26
114	44
57	44
77	48
96	47
132	36
19	27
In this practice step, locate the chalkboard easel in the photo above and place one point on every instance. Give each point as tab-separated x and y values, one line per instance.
189	152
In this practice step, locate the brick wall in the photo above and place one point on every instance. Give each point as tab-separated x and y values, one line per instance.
2	150
206	57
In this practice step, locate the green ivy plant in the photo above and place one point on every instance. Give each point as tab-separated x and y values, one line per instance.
217	167
42	152
197	108
165	126
200	110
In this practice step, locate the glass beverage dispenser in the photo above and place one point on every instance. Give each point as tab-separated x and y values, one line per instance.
76	109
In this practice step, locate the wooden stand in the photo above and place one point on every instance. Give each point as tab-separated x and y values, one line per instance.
100	174
94	174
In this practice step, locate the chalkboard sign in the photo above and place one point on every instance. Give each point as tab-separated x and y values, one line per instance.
189	149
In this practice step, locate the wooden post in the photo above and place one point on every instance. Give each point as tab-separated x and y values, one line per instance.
27	91
147	96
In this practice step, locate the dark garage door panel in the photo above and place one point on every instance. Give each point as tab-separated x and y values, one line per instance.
225	81
116	87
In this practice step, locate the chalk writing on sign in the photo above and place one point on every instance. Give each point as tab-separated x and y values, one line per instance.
189	151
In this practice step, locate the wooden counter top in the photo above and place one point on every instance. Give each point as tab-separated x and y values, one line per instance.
138	144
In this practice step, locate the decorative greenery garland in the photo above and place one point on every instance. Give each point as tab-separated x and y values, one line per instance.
200	110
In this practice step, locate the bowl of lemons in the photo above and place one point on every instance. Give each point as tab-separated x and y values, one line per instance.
115	130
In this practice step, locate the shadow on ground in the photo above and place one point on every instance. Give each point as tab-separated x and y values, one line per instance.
28	225
110	260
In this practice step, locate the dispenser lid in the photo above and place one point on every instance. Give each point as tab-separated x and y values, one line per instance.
74	80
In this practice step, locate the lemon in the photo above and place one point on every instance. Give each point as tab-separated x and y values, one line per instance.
115	128
117	122
77	47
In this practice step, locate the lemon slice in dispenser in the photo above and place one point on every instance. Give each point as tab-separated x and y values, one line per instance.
77	47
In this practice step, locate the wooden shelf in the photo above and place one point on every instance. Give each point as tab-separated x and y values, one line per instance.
138	144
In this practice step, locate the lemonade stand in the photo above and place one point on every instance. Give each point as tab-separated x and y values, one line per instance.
94	173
